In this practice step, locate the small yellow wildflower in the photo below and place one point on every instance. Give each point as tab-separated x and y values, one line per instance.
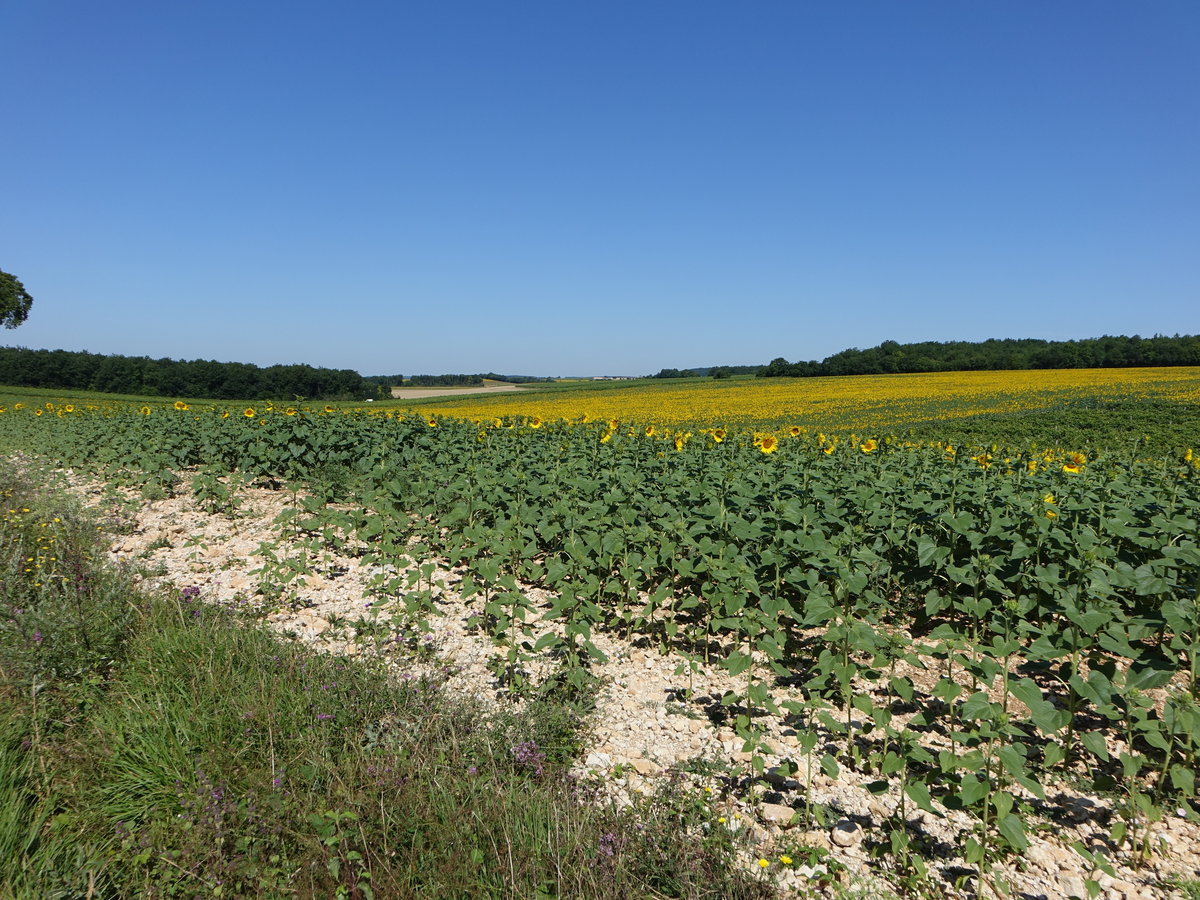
785	859
763	863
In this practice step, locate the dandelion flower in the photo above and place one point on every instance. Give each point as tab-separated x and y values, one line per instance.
785	859
763	863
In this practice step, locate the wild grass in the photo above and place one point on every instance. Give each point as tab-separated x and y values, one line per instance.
160	746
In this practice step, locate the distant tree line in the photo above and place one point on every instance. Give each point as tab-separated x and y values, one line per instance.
82	371
709	371
1008	353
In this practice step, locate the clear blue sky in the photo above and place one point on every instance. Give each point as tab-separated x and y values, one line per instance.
549	187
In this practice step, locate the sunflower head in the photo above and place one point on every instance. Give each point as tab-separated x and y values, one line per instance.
768	443
248	412
869	446
180	405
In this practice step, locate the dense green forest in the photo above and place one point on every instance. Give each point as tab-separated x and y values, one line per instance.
83	371
1008	353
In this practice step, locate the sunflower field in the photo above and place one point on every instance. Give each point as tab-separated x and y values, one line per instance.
1048	593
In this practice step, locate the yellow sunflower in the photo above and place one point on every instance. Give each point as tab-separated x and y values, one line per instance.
248	412
768	443
180	405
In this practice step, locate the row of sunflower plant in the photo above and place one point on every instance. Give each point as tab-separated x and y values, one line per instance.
1048	598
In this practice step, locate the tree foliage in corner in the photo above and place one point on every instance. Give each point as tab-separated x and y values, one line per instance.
14	300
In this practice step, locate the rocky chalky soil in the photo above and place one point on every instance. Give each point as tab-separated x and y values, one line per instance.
654	715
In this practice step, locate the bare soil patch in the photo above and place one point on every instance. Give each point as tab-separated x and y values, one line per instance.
401	393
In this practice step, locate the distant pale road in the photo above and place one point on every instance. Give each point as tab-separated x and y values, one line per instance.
420	393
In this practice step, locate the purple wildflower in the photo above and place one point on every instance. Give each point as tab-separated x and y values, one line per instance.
530	756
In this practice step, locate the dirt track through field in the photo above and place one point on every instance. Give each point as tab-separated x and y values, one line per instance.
402	393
